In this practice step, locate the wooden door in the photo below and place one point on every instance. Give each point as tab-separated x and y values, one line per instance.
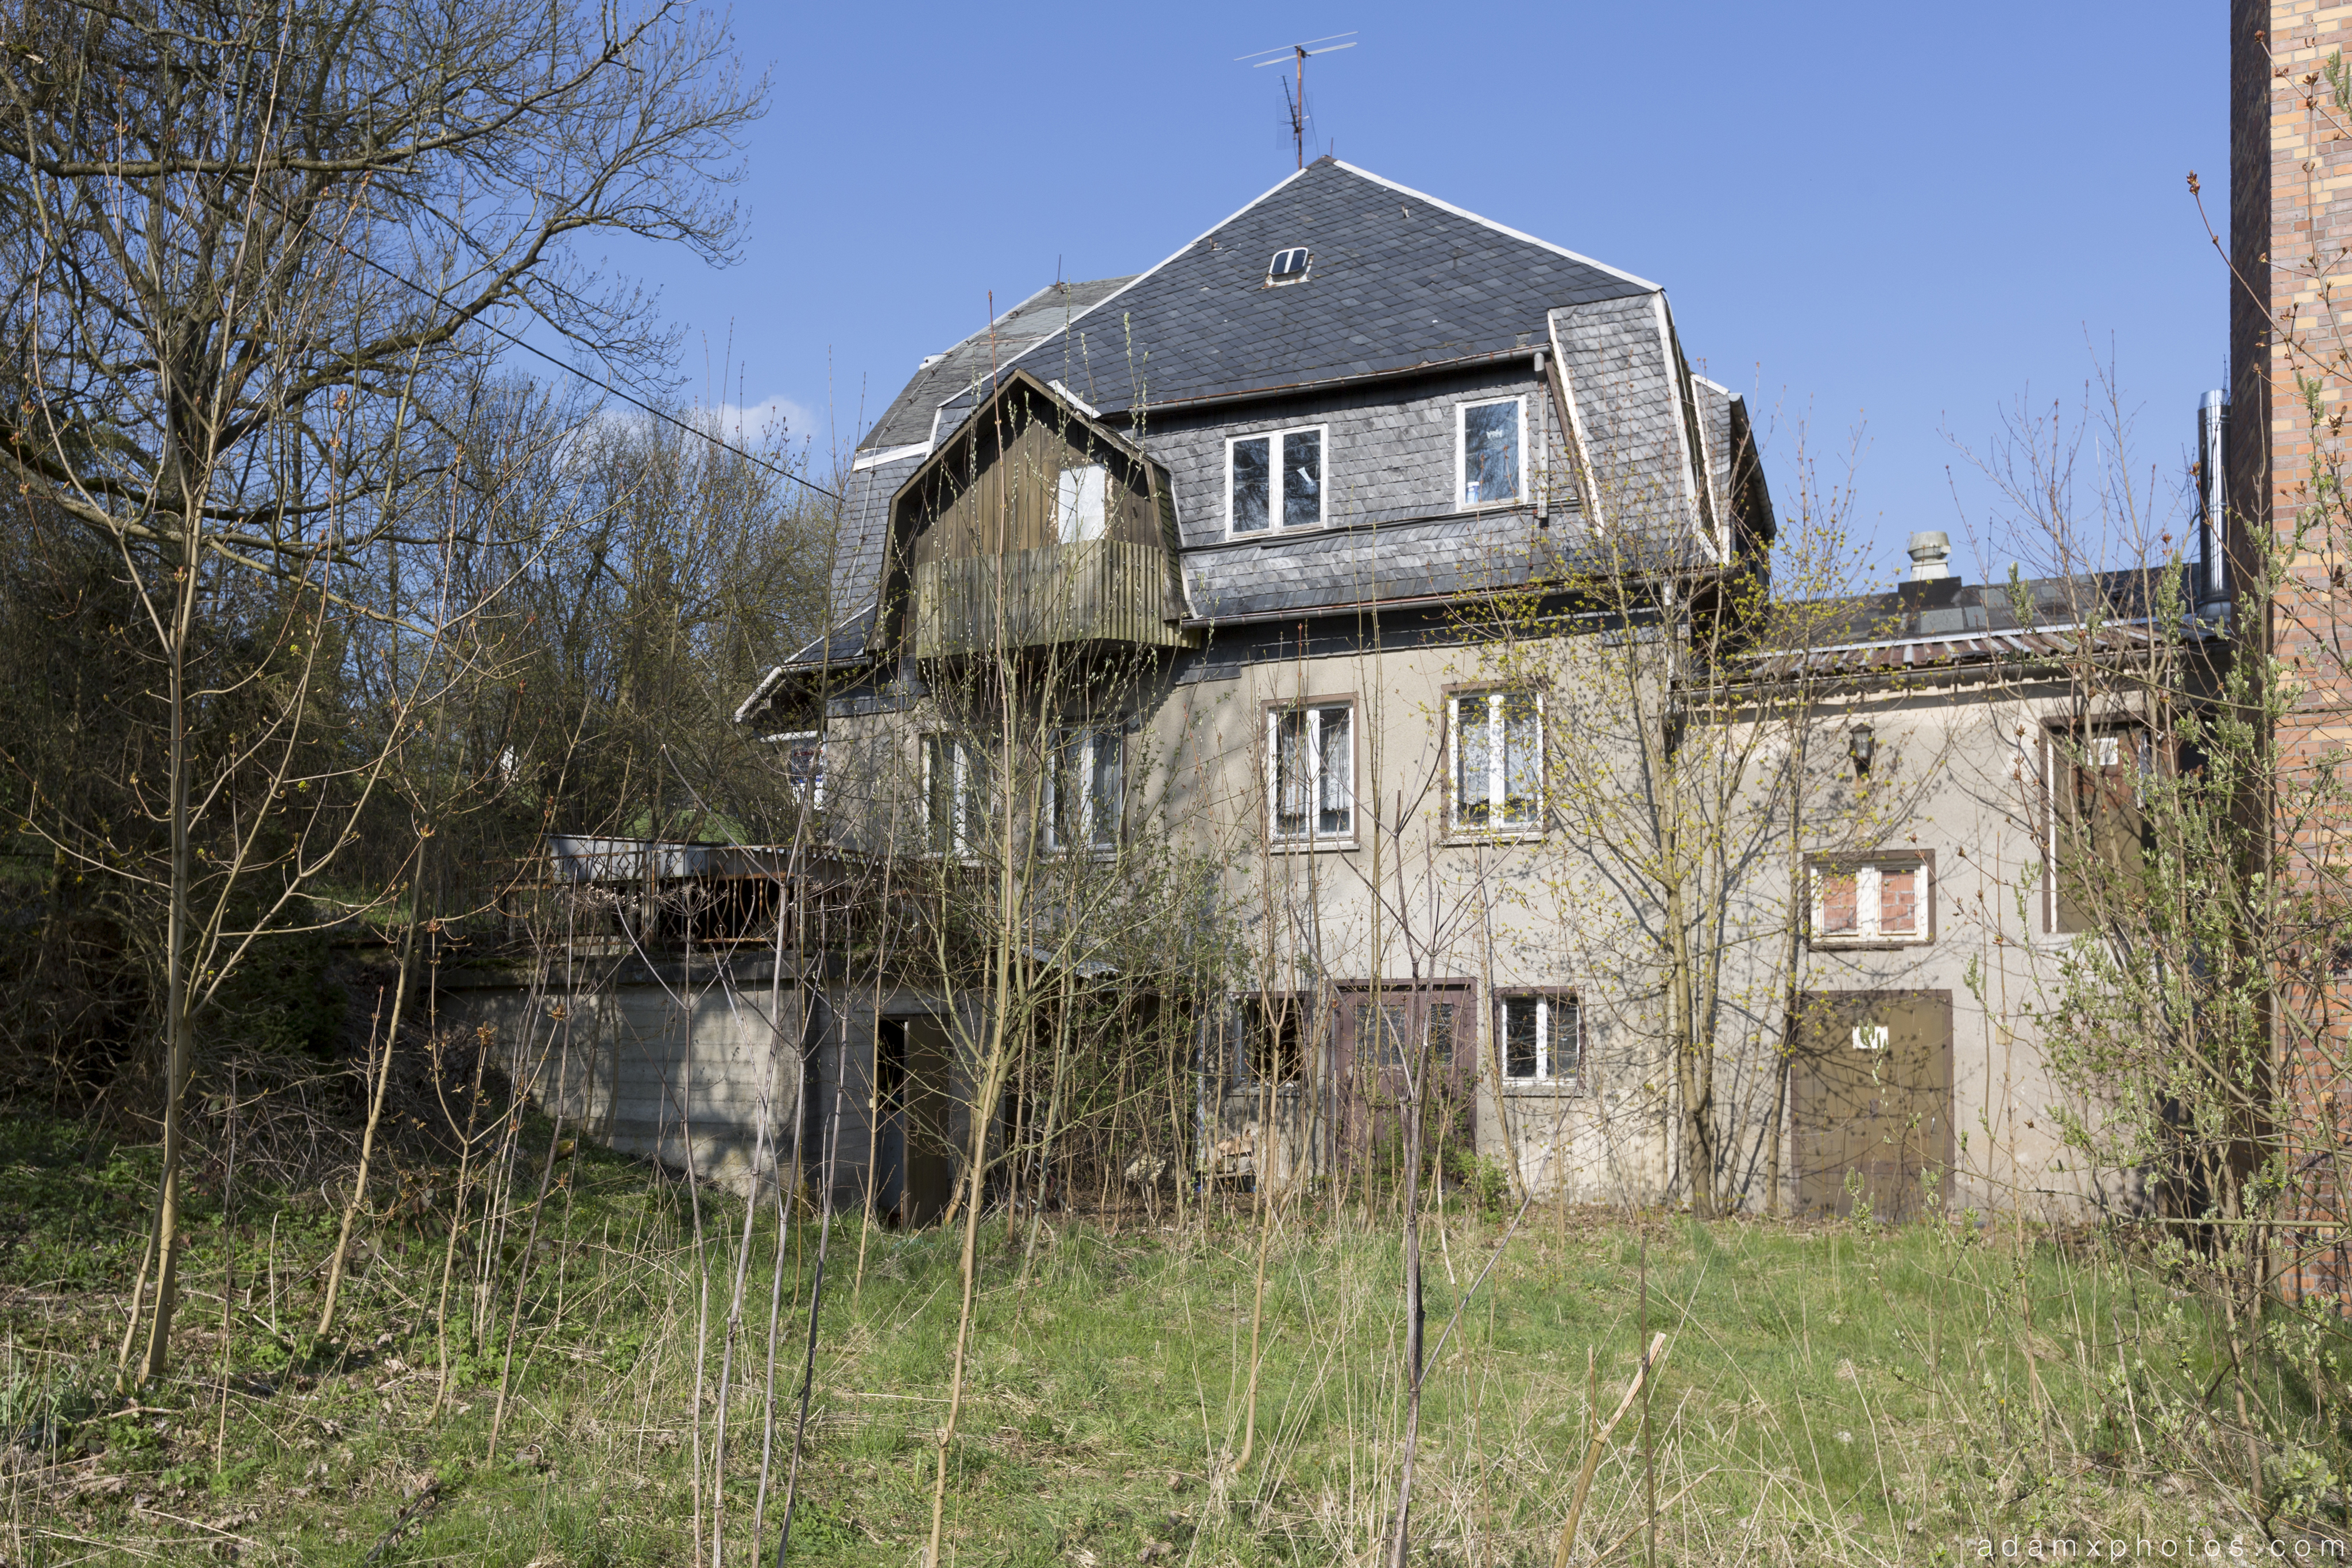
1871	1096
1378	1036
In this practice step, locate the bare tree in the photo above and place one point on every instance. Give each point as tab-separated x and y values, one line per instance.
248	245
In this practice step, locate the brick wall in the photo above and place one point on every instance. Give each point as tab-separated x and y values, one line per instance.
2290	226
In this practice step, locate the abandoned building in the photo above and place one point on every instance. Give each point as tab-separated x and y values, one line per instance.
1221	561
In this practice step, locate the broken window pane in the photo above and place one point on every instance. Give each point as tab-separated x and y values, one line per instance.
1520	1035
941	755
1522	758
1490	452
1302	478
1473	762
1335	758
1563	1037
1253	474
1083	498
1441	1033
1104	793
1290	765
1840	903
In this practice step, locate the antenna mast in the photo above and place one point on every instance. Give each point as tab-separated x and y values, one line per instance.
1296	56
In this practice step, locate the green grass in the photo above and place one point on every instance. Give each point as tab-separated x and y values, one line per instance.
1832	1393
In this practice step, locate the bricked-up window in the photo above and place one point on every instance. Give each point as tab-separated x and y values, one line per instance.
1085	790
1498	761
2094	824
1310	772
1493	448
1878	899
1275	480
1543	1037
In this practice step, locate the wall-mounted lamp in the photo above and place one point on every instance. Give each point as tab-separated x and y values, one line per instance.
1860	744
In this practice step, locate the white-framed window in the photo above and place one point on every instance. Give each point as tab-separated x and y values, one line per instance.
1085	787
803	756
1083	510
1542	1035
1310	768
1490	452
1496	761
1888	900
955	794
1275	480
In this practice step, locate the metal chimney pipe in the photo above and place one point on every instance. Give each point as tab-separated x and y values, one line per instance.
2212	506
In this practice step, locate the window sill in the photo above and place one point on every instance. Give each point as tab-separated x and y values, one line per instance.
1542	1088
1867	944
1476	837
1310	846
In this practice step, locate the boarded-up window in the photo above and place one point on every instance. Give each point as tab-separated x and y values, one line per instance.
1084	494
2096	827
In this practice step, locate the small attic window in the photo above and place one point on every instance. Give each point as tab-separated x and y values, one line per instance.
1287	266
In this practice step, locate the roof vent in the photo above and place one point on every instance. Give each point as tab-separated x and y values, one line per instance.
1287	266
1931	555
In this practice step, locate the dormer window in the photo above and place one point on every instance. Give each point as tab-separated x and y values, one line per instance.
1287	266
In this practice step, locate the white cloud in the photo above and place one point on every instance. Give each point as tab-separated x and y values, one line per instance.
771	417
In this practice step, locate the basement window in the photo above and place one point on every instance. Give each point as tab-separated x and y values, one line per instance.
1287	266
1083	492
1275	480
1874	901
1543	1037
1490	452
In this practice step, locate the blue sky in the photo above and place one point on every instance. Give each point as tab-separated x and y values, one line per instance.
1902	219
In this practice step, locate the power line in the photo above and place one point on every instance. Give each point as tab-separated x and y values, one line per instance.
634	401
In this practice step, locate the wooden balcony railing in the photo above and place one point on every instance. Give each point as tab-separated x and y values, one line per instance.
1100	590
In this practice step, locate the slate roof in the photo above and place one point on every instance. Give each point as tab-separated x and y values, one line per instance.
1468	553
909	418
1398	279
1619	361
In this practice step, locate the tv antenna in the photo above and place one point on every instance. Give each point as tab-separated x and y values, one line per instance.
1296	56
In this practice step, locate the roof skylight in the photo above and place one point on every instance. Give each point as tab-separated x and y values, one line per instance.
1287	266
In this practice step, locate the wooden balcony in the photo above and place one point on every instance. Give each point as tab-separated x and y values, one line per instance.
1100	590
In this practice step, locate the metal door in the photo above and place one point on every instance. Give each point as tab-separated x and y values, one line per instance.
1871	1097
